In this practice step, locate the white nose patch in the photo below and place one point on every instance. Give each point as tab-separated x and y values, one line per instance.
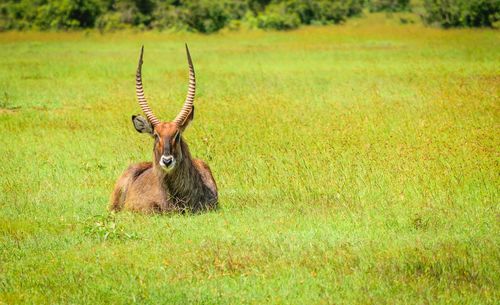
167	162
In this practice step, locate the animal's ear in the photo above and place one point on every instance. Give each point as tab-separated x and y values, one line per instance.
188	119
142	125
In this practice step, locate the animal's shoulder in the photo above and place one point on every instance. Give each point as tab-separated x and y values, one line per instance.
137	169
201	166
206	174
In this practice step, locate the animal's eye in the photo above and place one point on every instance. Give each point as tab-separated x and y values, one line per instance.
177	136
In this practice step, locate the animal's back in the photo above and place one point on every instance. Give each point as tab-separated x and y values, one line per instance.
122	186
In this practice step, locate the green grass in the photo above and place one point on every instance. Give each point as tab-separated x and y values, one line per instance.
355	163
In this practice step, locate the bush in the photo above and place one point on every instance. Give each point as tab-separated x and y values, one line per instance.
109	22
208	16
336	11
166	16
49	14
388	5
278	18
289	14
134	12
205	16
257	6
458	13
324	11
14	15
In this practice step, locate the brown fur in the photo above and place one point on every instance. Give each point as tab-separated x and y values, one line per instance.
146	187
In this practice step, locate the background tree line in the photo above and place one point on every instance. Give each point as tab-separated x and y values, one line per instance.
209	16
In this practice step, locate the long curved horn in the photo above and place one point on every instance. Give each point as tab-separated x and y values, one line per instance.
188	103
140	94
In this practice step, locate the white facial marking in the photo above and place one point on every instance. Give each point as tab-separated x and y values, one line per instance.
167	163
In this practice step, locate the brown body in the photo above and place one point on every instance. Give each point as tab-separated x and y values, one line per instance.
144	187
174	181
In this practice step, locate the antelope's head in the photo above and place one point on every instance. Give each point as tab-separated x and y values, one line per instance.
167	135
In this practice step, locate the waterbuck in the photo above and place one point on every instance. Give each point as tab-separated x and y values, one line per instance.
174	181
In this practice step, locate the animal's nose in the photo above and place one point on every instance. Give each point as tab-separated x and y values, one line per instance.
167	160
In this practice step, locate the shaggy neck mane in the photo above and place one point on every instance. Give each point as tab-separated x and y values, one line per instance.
184	183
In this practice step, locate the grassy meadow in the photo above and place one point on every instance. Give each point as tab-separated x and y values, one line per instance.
355	164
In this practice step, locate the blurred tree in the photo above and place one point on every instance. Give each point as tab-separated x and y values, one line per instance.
388	5
207	16
456	13
48	14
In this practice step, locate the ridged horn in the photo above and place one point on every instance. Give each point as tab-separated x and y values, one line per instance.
188	103
140	94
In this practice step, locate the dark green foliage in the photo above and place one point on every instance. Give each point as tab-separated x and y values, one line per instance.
257	6
165	16
110	21
388	5
276	16
48	14
336	11
207	16
323	11
204	16
457	13
289	14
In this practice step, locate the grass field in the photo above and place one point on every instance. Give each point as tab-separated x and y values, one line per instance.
355	163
